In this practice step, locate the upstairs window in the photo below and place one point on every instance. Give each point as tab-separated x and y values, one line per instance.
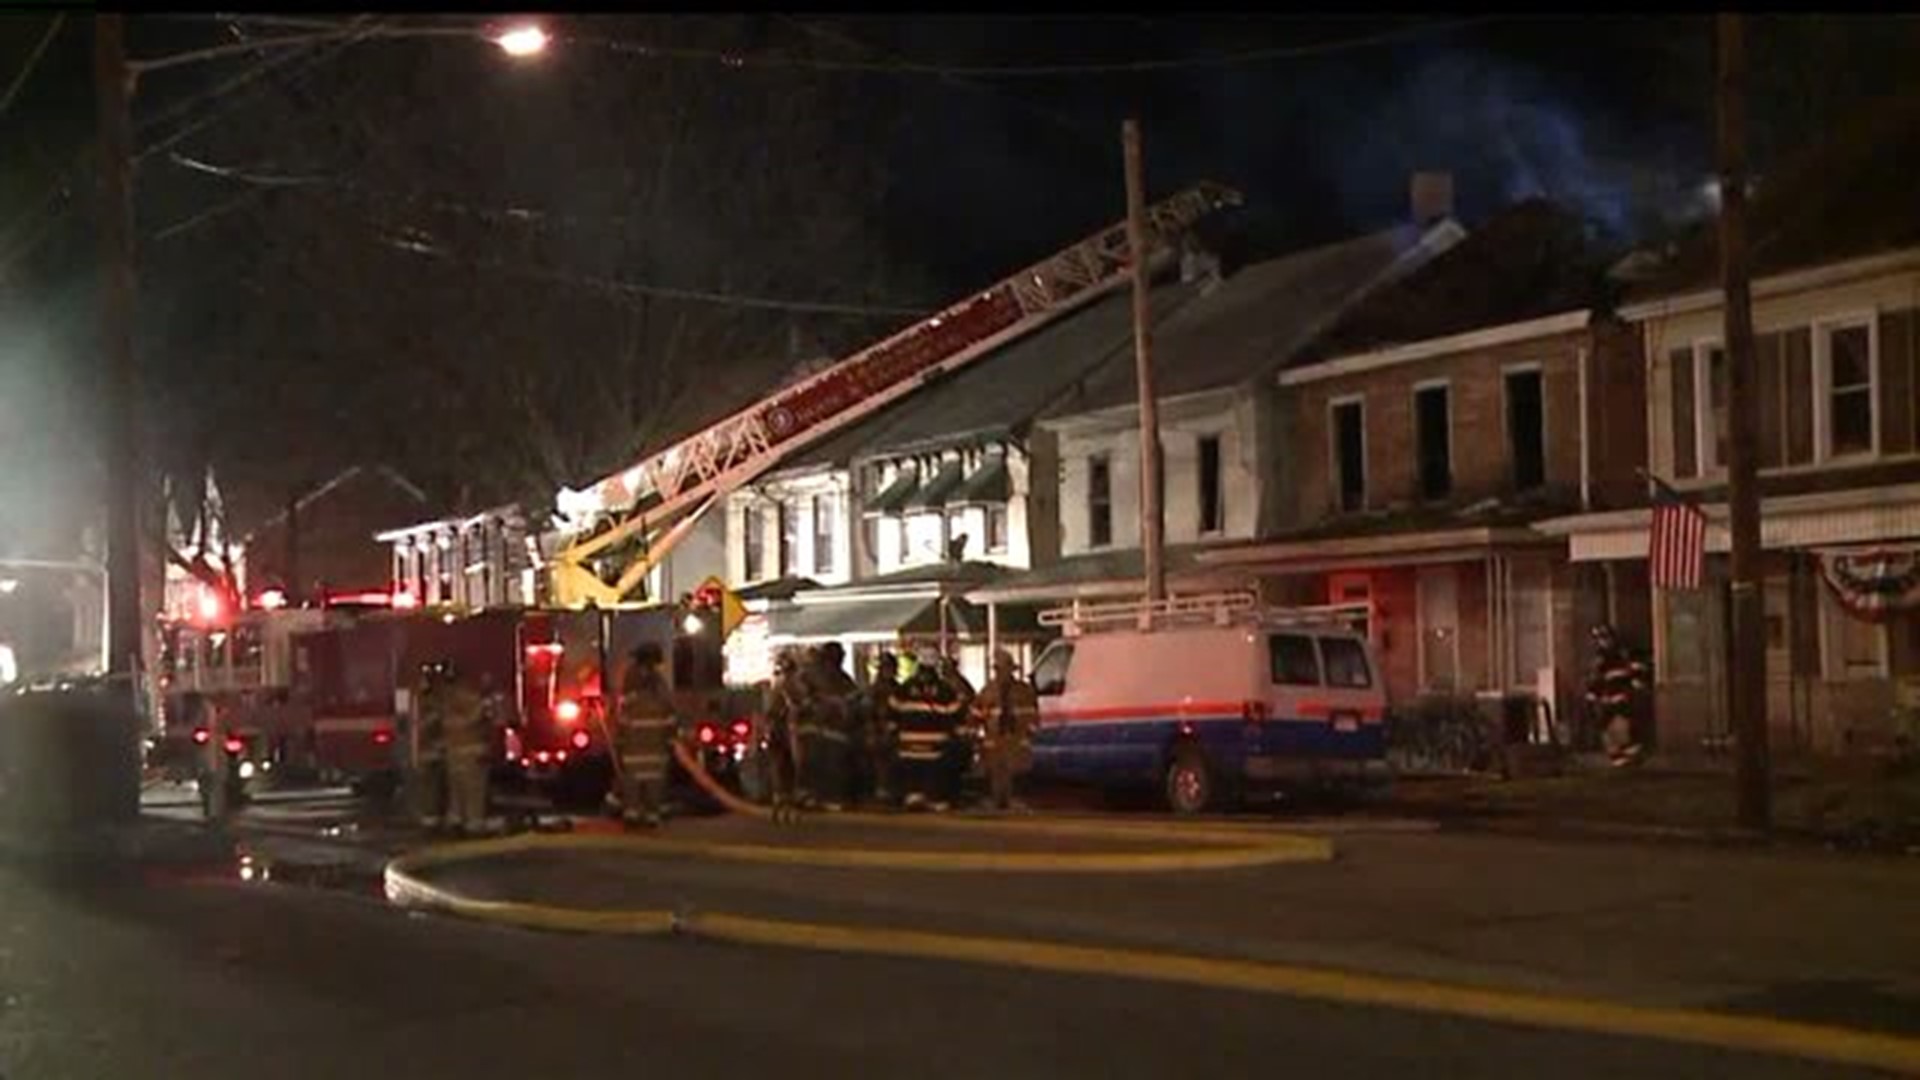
1433	441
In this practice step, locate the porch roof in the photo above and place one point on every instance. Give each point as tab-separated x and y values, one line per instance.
1400	549
1823	519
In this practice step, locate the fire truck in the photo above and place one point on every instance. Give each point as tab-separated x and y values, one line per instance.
239	664
544	672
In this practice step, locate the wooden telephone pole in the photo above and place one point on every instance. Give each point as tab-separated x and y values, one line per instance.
1747	649
1152	520
120	375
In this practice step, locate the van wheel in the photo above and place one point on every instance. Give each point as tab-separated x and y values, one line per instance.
1189	783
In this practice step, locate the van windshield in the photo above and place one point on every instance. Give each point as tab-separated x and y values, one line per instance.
1294	661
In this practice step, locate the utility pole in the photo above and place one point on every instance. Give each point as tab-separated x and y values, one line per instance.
1747	647
121	377
1152	521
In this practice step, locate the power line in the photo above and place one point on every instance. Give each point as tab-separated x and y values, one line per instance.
33	61
901	66
631	288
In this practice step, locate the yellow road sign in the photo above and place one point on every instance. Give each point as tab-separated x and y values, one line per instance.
732	611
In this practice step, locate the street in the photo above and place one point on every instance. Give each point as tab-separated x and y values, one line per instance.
211	966
216	979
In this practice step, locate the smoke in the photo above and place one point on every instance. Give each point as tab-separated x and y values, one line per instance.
1507	134
48	464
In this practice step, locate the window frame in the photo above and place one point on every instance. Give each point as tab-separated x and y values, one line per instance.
1210	496
1337	467
823	510
1507	372
1321	641
1427	386
1822	331
1100	510
1706	450
997	540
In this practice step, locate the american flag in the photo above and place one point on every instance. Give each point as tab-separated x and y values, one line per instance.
1677	545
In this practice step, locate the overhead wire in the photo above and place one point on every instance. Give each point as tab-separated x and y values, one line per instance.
33	61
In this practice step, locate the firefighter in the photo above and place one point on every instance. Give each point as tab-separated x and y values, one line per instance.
833	694
646	737
214	778
1615	686
786	701
882	728
929	712
468	738
429	779
1006	711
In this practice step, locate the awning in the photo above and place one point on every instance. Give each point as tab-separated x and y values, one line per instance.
934	495
877	619
990	483
1360	552
894	497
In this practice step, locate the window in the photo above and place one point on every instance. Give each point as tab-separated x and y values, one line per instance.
753	527
1212	518
825	509
1686	440
996	527
789	538
1346	663
1099	501
1050	671
1438	602
1847	372
1294	661
1433	440
870	538
1856	648
1350	455
1711	375
1526	429
926	538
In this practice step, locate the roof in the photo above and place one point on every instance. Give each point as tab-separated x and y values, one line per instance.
1247	325
999	394
1531	260
1847	198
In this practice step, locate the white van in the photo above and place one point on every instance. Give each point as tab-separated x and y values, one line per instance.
1202	697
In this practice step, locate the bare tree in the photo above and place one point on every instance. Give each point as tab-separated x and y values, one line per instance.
505	278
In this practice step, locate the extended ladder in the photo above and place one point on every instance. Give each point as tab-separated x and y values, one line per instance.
671	489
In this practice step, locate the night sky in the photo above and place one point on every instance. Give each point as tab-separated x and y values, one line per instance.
332	249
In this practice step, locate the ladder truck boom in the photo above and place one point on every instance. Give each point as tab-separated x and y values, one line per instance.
676	485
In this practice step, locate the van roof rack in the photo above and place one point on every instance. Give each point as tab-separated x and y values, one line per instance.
1209	609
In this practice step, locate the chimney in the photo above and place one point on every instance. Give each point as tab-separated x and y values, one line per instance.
1198	262
1432	197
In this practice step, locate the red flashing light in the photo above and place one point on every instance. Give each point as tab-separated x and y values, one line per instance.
560	756
742	729
405	600
271	600
707	734
546	650
201	736
543	757
234	744
382	737
580	740
209	606
567	711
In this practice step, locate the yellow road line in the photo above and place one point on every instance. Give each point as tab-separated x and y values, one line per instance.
1696	1027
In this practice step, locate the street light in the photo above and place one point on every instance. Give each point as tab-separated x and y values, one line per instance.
7	585
521	41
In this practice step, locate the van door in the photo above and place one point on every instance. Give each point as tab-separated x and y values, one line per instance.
1290	734
1050	755
1356	712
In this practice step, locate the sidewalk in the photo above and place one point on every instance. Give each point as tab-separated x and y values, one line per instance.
1796	936
1872	814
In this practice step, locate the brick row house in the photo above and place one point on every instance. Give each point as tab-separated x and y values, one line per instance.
1836	311
1422	438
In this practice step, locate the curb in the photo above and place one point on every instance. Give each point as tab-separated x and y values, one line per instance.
1833	1045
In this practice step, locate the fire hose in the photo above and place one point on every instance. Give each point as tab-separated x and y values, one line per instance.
690	761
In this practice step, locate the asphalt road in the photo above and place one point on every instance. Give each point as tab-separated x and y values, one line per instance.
190	973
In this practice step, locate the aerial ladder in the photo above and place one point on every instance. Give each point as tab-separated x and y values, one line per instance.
655	502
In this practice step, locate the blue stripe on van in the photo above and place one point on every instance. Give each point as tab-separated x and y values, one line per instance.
1133	749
